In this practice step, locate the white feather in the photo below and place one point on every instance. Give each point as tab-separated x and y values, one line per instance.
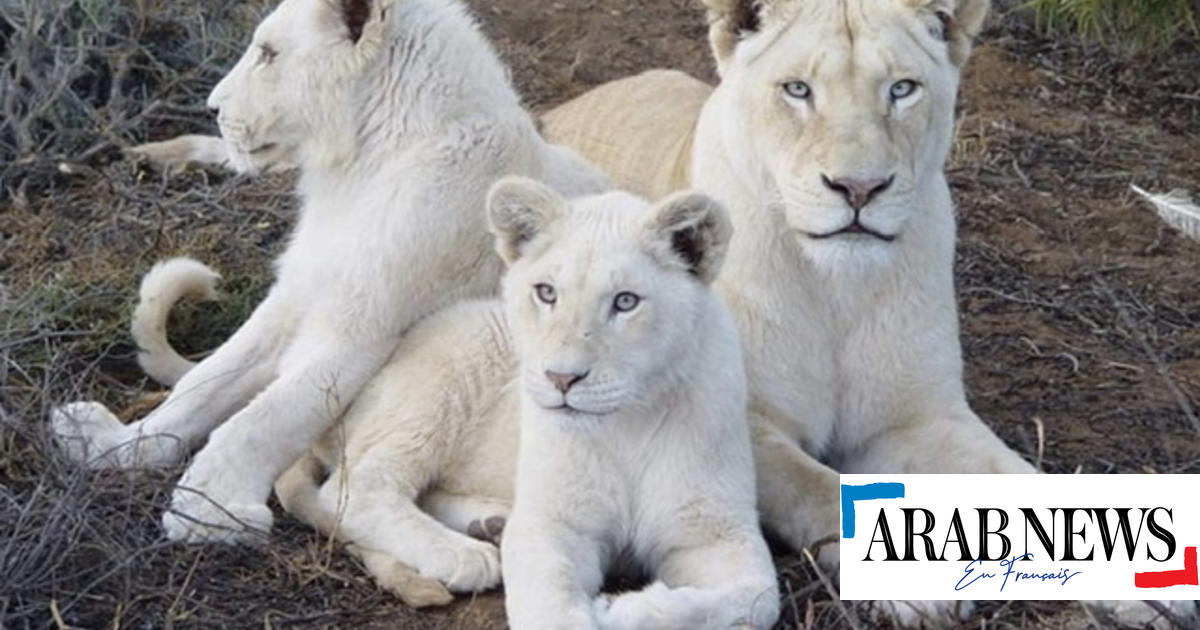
1177	209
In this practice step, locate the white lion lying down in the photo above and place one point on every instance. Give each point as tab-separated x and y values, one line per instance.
400	118
625	372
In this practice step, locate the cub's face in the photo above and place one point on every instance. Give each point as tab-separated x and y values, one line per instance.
294	82
605	295
846	109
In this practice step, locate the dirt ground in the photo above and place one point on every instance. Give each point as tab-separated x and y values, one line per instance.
1080	309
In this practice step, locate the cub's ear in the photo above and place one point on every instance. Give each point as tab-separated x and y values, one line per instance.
730	21
692	230
518	210
361	19
958	22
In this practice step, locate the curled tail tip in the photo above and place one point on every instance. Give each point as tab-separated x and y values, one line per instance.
179	277
165	284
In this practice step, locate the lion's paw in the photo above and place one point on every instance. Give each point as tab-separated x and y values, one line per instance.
928	614
88	433
1008	463
195	518
1141	614
828	557
489	529
466	566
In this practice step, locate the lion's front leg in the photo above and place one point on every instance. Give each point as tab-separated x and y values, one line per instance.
222	496
798	496
551	574
204	398
955	442
726	582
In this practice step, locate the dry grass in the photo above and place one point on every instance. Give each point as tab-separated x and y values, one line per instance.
1081	316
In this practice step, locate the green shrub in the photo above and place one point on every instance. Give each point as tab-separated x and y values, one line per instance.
1133	25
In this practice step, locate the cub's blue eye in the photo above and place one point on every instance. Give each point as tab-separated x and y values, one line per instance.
903	89
626	301
545	293
797	89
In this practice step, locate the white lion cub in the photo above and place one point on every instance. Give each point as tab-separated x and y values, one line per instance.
619	371
634	443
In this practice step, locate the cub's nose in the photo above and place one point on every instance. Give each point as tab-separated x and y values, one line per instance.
858	192
564	380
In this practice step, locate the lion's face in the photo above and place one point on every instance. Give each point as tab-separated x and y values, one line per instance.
604	294
293	84
846	110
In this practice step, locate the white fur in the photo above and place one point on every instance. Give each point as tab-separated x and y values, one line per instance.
851	343
647	458
182	151
663	472
167	282
398	136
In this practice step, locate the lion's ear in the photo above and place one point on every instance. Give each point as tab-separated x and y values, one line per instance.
518	210
361	18
958	22
730	21
693	229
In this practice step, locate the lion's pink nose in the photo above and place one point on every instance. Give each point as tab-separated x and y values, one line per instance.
858	192
564	380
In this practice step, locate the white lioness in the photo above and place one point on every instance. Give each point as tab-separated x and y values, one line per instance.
826	138
400	117
622	371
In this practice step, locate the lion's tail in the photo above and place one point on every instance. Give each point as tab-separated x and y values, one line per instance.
167	283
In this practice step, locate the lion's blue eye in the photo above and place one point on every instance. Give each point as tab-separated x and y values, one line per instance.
545	293
626	301
903	89
797	89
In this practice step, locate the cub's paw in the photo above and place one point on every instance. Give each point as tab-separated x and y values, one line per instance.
1141	614
928	614
464	565
196	518
489	529
659	606
637	609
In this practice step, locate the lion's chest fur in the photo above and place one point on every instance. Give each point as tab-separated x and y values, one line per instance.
840	358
